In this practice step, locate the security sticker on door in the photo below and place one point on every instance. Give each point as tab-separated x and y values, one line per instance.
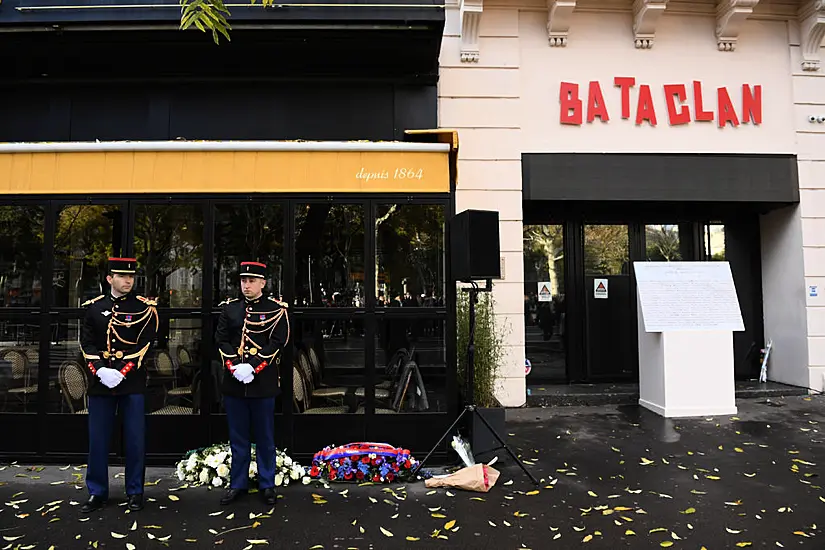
544	292
600	288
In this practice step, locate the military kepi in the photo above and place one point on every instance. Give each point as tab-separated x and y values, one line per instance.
123	266
253	269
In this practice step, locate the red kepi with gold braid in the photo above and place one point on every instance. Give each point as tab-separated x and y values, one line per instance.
118	331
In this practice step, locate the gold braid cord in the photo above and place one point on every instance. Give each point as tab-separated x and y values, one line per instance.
265	327
112	331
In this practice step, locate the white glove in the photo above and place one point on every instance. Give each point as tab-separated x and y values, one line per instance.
243	371
248	379
110	377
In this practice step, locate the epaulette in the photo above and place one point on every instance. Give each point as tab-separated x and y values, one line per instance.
280	303
147	301
227	301
93	300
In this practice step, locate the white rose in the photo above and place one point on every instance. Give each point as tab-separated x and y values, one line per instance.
181	475
279	462
212	461
204	477
223	470
288	461
217	482
294	475
306	481
279	480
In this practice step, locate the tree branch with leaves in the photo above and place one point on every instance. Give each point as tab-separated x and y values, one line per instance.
211	16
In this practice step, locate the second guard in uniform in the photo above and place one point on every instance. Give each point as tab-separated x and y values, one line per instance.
117	333
251	335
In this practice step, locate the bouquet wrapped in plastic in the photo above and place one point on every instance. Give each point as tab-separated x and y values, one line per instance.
478	477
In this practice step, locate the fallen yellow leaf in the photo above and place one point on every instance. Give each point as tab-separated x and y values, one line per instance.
449	525
630	533
413	539
118	535
592	494
174	498
588	538
744	544
666	544
690	511
386	533
531	493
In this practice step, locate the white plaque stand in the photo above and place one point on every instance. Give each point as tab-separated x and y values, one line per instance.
687	313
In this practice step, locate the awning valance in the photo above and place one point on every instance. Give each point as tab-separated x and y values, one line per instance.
225	167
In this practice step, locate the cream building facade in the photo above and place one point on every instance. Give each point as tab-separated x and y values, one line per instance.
650	80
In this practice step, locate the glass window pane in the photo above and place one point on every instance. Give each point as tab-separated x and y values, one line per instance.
329	255
329	366
662	243
411	366
544	302
606	250
173	373
21	255
19	362
247	232
169	251
86	236
715	242
409	256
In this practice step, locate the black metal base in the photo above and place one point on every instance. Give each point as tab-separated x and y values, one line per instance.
472	409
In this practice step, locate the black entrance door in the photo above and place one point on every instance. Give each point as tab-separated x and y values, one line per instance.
610	320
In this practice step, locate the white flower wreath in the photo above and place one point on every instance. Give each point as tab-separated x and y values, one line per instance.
211	466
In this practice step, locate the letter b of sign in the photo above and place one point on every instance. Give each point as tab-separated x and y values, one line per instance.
571	105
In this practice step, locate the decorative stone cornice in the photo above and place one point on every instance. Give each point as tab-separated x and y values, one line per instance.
646	14
730	16
812	31
559	13
470	11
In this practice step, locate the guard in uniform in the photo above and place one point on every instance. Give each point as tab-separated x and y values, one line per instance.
117	333
251	335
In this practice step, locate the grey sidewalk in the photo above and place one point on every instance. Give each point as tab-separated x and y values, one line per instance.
613	477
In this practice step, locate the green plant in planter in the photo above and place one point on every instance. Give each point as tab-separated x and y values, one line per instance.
488	346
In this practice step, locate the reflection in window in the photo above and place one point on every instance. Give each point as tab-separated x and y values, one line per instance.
173	376
247	232
329	255
328	370
662	243
715	242
169	250
606	250
409	256
19	361
544	302
21	255
86	236
411	366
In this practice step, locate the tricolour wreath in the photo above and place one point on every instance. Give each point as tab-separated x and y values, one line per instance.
376	462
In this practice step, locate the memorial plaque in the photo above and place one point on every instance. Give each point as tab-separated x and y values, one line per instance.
687	296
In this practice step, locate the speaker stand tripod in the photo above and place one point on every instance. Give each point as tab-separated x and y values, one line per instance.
471	407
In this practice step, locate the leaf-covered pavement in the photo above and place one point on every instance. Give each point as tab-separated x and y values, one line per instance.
612	477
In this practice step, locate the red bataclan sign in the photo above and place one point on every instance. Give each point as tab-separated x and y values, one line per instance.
678	113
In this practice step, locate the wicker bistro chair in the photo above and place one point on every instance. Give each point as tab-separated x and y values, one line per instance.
300	397
166	369
310	364
74	386
331	393
21	361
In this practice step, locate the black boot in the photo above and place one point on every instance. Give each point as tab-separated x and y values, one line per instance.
270	497
136	502
232	495
94	503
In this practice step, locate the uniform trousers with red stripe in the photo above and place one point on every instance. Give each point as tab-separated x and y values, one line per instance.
247	416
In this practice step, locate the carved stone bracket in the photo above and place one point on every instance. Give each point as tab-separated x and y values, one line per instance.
812	31
646	14
730	16
559	13
470	11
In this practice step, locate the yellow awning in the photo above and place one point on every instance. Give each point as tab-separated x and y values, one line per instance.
225	167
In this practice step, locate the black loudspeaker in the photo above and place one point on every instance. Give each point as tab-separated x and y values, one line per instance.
474	245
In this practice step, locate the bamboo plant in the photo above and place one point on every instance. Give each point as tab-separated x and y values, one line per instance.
488	346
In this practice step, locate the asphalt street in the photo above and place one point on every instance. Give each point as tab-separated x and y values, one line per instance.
611	477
